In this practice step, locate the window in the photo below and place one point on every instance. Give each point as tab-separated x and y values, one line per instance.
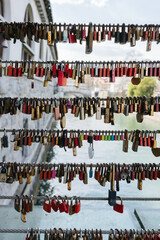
27	48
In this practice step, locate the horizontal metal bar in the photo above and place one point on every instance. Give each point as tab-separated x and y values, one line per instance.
83	198
78	131
97	25
111	231
81	98
82	62
81	164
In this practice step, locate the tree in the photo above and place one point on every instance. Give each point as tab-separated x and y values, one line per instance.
145	88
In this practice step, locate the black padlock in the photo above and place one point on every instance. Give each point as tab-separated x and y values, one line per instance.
90	138
112	193
4	140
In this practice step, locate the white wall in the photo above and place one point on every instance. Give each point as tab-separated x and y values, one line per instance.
14	10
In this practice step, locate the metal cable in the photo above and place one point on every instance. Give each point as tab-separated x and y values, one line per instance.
82	164
83	198
78	131
111	231
82	62
85	98
86	25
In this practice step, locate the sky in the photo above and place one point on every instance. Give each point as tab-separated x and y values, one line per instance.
107	11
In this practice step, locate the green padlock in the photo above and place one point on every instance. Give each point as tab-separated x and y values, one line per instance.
118	136
82	137
109	136
103	135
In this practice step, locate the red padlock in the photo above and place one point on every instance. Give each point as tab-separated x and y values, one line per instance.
97	173
55	205
133	175
149	141
108	71
10	71
29	141
54	71
53	141
45	173
151	173
27	205
119	207
150	70
24	108
92	71
47	205
141	140
73	109
62	206
29	109
100	71
71	35
20	72
129	71
155	173
77	205
42	72
81	173
117	70
121	71
75	141
15	72
49	173
86	136
104	71
143	174
125	70
60	78
84	33
66	71
95	137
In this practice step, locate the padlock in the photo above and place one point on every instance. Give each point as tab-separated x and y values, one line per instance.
4	140
17	205
47	205
77	205
119	207
67	206
71	207
124	174
62	206
3	173
55	204
112	193
90	172
23	216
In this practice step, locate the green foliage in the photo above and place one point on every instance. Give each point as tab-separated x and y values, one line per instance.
145	88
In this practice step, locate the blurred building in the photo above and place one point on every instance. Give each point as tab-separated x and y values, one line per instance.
23	11
38	11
